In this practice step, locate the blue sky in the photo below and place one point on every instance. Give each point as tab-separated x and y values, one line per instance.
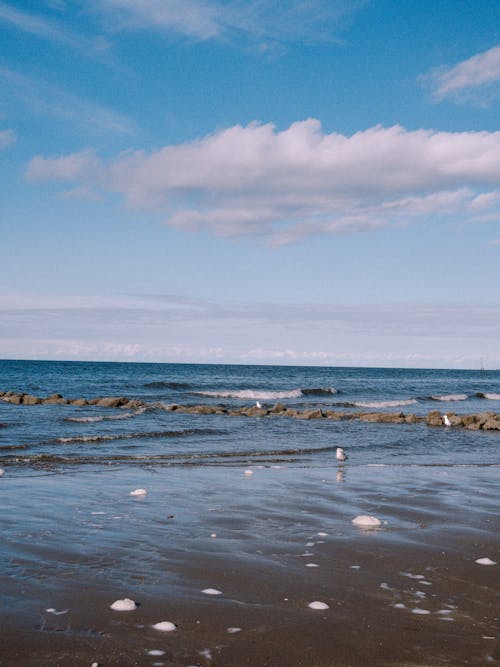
310	182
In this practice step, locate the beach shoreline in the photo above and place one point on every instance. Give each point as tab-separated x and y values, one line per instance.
408	593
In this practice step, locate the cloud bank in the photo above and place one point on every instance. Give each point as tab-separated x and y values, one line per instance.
465	79
149	328
285	185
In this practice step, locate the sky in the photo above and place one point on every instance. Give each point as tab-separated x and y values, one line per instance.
310	182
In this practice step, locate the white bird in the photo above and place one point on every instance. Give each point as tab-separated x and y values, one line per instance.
446	420
257	404
340	455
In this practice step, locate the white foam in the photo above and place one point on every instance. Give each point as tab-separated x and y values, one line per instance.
385	586
233	631
384	404
451	397
310	544
248	472
51	610
2	471
420	611
155	651
485	561
139	492
84	420
249	394
165	626
213	535
445	612
412	576
318	605
211	591
365	521
492	397
322	534
399	605
312	565
355	567
124	605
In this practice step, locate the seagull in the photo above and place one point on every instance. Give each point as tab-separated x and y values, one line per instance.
257	404
340	455
446	420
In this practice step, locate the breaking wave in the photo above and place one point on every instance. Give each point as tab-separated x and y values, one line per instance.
256	395
491	397
449	397
382	404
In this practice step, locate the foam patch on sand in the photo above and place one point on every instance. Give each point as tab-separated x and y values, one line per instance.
165	626
211	591
318	605
485	561
365	521
51	610
124	605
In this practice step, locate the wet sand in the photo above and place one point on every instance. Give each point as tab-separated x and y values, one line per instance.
408	593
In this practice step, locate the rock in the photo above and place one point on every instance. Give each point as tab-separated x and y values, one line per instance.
255	412
277	409
483	417
54	396
31	400
309	414
413	419
111	402
55	401
15	399
434	418
133	404
455	420
491	425
468	419
473	426
80	402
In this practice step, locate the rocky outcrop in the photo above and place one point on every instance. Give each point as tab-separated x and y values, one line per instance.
485	421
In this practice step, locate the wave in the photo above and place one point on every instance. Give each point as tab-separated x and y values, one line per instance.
140	435
250	394
256	395
166	385
491	397
196	458
449	397
91	420
319	391
381	404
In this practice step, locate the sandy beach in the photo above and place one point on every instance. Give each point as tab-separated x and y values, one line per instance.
271	542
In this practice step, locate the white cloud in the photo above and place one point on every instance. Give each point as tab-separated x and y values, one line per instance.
166	328
267	21
47	99
459	81
7	137
293	183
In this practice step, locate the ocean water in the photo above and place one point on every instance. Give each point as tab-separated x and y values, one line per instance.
58	437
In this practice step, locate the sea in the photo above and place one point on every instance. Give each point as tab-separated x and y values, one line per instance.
60	437
229	527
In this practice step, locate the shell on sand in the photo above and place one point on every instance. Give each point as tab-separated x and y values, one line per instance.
365	521
139	492
124	605
164	626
